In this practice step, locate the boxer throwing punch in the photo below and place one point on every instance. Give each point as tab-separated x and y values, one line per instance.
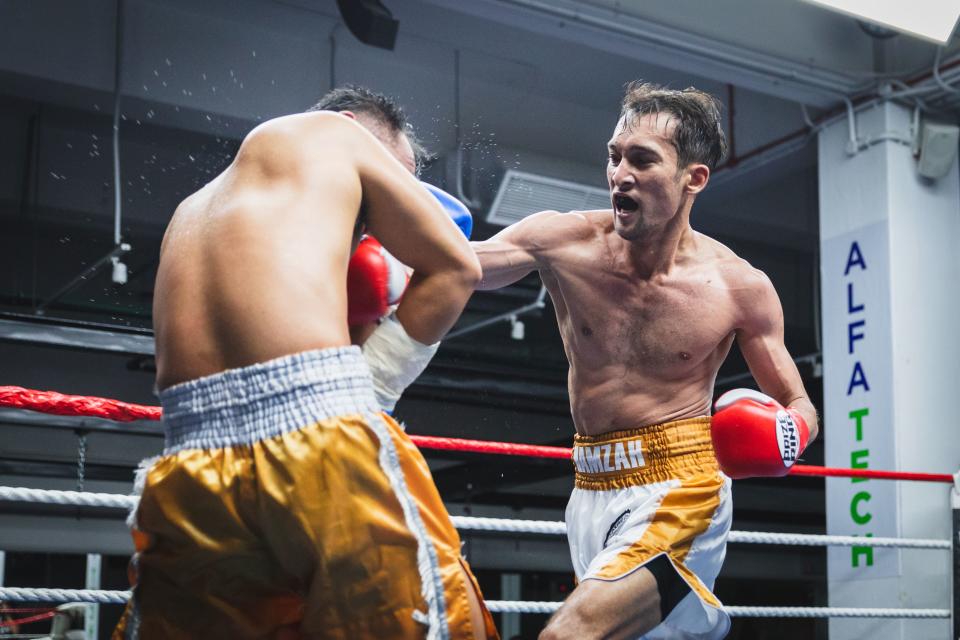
648	309
285	504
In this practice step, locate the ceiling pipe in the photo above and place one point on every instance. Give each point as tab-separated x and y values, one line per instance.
797	139
112	256
708	52
119	274
510	316
948	88
472	204
732	117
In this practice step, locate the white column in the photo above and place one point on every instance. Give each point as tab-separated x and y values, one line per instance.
91	617
509	590
890	267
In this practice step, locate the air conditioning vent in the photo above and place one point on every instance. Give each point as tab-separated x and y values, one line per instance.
521	194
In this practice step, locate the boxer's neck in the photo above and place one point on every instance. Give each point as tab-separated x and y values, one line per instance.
659	249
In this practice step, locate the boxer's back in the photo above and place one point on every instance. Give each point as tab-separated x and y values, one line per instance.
253	265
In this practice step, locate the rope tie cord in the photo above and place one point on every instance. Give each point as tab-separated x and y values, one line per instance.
34	618
71	405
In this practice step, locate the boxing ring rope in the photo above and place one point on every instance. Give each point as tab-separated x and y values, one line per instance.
62	404
471	523
21	594
70	405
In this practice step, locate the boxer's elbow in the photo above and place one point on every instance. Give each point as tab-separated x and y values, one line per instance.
467	271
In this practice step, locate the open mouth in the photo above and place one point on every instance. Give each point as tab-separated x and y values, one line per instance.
625	203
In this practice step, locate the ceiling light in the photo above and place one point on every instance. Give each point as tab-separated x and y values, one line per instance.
930	19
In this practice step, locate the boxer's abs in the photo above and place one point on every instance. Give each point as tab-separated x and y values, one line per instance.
628	400
636	365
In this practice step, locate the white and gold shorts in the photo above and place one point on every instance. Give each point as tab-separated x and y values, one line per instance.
655	491
286	501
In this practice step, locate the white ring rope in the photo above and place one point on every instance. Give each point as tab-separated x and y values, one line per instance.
811	540
833	612
545	527
745	537
24	594
548	527
20	594
74	498
505	606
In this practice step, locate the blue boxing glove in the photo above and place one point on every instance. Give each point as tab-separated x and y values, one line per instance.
457	211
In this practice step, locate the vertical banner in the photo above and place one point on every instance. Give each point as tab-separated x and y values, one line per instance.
858	399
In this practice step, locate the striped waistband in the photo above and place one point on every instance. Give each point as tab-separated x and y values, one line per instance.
250	404
654	453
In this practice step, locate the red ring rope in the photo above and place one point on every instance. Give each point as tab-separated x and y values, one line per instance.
67	405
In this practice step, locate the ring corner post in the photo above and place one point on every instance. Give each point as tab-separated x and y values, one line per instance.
955	537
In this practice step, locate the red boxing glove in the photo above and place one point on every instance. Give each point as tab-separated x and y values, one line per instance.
375	281
754	436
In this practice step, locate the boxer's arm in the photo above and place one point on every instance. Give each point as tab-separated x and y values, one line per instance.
517	250
411	224
760	338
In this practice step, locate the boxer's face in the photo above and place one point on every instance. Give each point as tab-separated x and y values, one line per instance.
646	188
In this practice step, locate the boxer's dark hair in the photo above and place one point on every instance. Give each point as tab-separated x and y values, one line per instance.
384	110
698	136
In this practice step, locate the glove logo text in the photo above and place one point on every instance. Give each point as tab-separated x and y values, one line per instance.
788	438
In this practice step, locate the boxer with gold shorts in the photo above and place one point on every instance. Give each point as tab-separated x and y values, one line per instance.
285	504
363	548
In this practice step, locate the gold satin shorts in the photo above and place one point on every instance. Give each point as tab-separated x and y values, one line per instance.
285	502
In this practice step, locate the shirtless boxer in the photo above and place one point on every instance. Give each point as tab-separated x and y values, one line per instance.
648	309
285	504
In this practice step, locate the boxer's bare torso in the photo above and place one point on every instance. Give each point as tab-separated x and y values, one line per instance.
250	264
253	265
642	348
648	308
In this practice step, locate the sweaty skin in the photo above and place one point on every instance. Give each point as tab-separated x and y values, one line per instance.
648	309
253	265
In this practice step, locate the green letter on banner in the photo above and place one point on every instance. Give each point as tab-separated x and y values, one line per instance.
860	518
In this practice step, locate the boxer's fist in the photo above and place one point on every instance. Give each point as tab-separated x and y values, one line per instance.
375	281
457	211
755	436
